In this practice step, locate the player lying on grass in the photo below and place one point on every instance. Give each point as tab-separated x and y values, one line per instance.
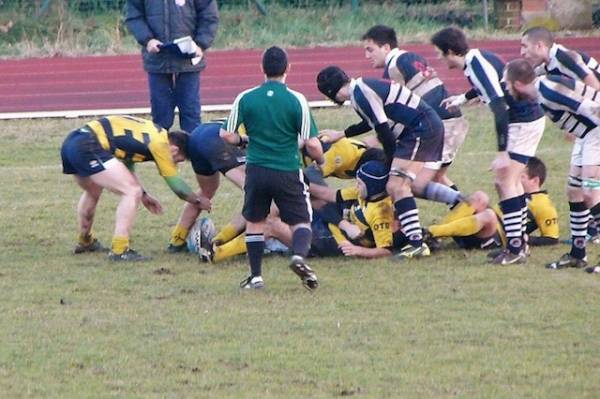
210	156
411	69
102	155
474	225
564	98
362	228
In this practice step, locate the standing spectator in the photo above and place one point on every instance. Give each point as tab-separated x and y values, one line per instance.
174	81
276	119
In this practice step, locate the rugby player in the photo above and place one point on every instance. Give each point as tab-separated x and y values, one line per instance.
412	70
519	128
102	154
562	98
410	131
210	156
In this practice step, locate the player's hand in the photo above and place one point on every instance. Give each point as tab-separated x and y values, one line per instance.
152	204
349	249
454	101
351	230
203	203
153	46
501	162
229	137
330	136
570	137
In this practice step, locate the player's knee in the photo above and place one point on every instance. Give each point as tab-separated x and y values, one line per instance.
479	200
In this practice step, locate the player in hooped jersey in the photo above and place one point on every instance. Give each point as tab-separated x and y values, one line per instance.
519	128
548	57
582	103
410	131
412	70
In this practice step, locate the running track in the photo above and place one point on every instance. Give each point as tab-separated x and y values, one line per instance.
118	82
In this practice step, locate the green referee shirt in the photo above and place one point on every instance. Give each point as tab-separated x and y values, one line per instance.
276	119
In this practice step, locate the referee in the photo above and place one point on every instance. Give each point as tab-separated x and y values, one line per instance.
277	122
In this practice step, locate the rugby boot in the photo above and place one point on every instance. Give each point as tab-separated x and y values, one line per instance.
508	258
306	274
94	246
567	260
252	283
410	252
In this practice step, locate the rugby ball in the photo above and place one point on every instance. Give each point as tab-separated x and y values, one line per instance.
200	236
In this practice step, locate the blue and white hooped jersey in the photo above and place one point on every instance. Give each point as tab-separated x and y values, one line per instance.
572	105
383	101
411	69
574	64
484	71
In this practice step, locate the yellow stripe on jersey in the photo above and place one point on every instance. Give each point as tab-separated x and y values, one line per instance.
136	140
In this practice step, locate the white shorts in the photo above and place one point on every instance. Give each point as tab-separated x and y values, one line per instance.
455	131
524	137
586	151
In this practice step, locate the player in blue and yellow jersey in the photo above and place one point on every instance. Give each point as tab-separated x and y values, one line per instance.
342	159
210	156
474	225
560	95
102	155
412	70
519	127
410	131
362	226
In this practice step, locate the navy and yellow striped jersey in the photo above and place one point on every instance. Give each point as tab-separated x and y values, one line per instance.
484	71
411	70
572	105
380	101
341	158
374	218
133	140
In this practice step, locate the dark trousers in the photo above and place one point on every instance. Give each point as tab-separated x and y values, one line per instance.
170	90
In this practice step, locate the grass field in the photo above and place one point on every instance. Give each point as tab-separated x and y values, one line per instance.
446	326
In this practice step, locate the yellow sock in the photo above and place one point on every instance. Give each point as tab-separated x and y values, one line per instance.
120	244
237	246
86	239
227	233
459	228
178	235
460	211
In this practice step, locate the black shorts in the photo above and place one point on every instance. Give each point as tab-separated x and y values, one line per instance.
474	242
423	141
210	154
287	189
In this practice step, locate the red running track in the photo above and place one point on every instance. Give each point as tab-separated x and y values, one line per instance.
115	82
